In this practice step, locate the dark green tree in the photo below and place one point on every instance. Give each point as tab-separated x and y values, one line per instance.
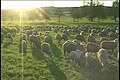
59	12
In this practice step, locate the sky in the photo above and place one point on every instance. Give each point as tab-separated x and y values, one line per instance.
29	4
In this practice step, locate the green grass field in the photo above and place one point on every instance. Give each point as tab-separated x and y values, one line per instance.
38	67
65	20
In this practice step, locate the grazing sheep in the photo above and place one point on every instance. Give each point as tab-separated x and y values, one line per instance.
64	36
9	36
45	47
69	46
104	39
92	47
80	38
79	45
48	39
103	57
2	37
22	46
23	37
77	57
58	37
91	38
112	35
34	40
109	45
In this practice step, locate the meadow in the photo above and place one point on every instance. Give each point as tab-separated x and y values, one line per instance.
37	66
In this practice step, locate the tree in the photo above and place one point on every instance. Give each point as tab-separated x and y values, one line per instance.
59	12
115	10
75	14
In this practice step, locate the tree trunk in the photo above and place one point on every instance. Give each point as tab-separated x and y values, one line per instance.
59	19
115	19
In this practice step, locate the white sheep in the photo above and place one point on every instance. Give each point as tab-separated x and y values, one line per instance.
102	55
111	45
45	47
77	57
22	46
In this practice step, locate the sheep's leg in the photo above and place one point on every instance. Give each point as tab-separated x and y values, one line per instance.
86	63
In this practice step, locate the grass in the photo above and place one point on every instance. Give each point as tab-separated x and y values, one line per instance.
65	20
39	67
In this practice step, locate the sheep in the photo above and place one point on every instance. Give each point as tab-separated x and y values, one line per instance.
48	39
28	32
104	38
23	37
9	36
102	55
64	36
77	57
112	35
58	37
34	39
109	45
79	45
91	48
80	38
45	47
22	45
91	38
69	46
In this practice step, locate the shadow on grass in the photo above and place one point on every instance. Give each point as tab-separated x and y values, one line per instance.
36	52
55	71
94	72
56	51
6	45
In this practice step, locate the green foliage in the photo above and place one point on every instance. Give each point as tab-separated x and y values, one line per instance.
59	12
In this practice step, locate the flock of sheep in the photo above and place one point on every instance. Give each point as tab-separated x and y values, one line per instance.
79	49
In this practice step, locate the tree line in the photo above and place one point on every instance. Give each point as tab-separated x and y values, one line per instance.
91	12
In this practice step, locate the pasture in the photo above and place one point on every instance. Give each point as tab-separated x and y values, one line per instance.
38	66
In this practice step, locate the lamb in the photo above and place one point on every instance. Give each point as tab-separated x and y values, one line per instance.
22	45
109	45
77	57
58	37
45	47
102	55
